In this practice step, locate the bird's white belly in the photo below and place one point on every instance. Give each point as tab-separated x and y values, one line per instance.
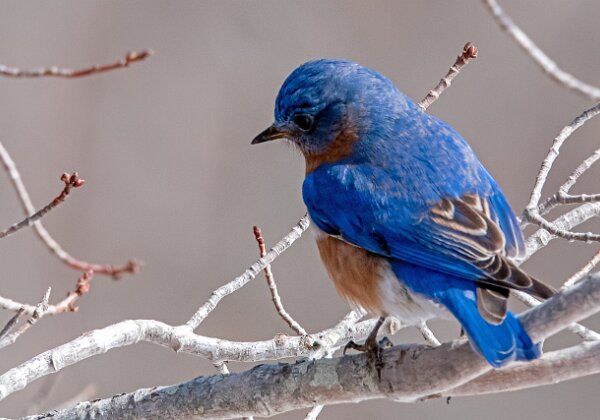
398	301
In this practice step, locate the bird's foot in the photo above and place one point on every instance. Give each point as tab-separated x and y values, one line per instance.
372	347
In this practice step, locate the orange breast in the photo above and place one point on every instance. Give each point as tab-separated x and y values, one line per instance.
354	271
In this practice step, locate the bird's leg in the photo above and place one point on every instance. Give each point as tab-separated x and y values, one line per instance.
371	344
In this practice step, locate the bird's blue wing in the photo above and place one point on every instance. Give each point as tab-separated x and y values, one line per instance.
461	234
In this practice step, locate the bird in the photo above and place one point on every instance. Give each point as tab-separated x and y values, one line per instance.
408	221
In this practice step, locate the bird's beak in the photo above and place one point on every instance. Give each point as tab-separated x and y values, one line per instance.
271	133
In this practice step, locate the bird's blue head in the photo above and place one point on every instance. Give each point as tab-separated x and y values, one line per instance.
324	106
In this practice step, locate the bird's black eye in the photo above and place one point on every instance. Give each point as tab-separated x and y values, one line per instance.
303	121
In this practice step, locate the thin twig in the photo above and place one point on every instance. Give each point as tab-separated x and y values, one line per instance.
548	66
248	275
66	305
71	181
43	308
585	270
273	286
469	52
532	212
11	323
314	412
39	311
567	221
130	58
428	335
115	271
562	196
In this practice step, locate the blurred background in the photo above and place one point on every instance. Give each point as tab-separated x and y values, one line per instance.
172	179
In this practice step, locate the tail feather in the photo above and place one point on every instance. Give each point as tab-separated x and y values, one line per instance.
498	343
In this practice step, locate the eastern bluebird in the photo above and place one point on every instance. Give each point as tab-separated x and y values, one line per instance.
409	222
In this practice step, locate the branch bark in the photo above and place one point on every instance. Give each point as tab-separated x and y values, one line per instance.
407	374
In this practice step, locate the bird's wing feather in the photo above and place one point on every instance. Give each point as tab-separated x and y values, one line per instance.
469	236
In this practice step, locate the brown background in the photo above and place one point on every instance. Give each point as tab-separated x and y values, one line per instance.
172	178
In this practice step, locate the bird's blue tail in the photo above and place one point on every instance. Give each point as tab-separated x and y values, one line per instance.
498	344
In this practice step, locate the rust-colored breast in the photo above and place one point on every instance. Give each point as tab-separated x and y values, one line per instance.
354	271
338	149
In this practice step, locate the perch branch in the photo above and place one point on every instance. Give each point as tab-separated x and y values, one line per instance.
130	58
270	389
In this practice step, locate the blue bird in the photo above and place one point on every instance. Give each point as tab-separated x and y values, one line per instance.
410	224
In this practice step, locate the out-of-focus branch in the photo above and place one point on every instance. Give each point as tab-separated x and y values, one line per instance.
82	286
115	271
548	66
130	58
469	52
39	311
273	287
43	308
71	181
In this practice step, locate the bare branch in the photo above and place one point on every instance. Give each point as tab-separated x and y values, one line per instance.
71	181
562	196
314	413
409	372
40	310
585	270
248	275
114	271
532	211
130	58
273	287
554	367
428	335
406	373
548	66
567	221
578	329
11	323
469	52
82	286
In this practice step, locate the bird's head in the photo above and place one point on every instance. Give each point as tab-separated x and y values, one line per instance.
325	105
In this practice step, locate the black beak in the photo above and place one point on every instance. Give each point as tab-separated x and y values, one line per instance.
271	133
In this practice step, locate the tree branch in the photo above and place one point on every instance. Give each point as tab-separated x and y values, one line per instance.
548	66
71	181
130	58
114	271
532	211
469	52
407	373
248	275
273	287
